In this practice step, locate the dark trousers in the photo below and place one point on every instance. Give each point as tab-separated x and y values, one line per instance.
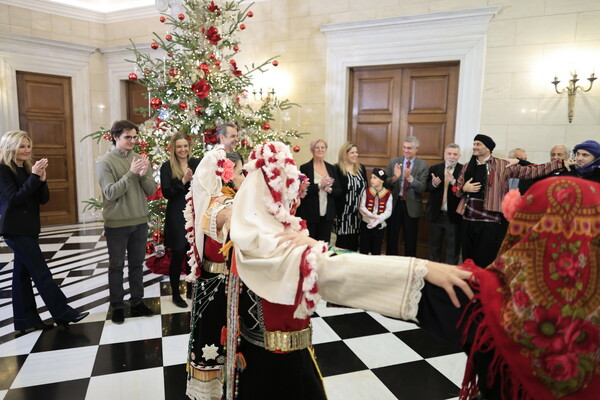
320	230
130	239
29	264
440	231
370	239
348	242
399	219
175	268
482	240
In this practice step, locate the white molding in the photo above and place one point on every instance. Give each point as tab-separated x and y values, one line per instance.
447	36
17	55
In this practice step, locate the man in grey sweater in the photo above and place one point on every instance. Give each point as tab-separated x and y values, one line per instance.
125	178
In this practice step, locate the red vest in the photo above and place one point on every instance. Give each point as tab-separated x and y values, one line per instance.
383	198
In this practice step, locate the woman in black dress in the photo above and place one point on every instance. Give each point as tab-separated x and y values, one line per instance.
353	181
22	189
175	177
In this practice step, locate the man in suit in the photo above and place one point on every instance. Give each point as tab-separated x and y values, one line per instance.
441	207
407	180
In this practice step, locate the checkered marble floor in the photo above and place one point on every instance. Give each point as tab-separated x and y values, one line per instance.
362	355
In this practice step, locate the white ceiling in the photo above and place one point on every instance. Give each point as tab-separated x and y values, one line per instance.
104	6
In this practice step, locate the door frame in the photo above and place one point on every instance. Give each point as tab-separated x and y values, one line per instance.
445	36
22	53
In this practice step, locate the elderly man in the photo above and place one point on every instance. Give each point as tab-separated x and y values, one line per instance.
444	221
407	180
482	185
559	152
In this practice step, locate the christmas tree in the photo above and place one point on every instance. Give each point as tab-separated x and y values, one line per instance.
197	86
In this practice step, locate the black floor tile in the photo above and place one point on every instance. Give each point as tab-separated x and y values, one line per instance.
6	294
78	246
48	255
81	272
68	390
354	325
416	381
175	382
78	335
176	324
10	367
102	264
89	232
336	358
5	250
426	344
128	356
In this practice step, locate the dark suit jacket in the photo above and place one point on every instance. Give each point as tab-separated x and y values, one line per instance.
20	197
341	199
437	194
309	207
419	171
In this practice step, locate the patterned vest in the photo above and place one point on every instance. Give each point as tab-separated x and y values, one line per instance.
383	198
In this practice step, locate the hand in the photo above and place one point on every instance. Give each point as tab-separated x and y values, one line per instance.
511	161
449	177
136	166
397	171
435	180
406	173
39	167
447	276
145	162
291	240
469	187
569	163
188	176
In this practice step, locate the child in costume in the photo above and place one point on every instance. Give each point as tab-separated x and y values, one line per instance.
375	207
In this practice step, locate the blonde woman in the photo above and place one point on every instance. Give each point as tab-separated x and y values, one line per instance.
353	181
23	188
175	177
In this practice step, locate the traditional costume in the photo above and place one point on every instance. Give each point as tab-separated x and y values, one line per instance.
375	207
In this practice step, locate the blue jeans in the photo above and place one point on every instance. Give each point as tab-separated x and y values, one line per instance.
130	239
29	264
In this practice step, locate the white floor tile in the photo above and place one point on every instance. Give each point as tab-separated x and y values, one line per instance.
451	365
6	257
56	366
393	325
3	394
83	239
64	253
325	311
175	349
382	350
51	246
138	328
20	345
142	384
322	333
356	386
167	306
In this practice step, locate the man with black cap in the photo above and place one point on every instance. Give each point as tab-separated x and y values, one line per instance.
444	221
481	186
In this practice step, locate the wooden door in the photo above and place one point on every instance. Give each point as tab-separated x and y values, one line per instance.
390	103
137	99
45	112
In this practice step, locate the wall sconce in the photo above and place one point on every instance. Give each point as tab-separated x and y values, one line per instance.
266	95
572	90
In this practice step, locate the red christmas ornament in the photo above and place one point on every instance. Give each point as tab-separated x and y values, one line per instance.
181	17
244	143
169	37
149	248
250	14
158	236
173	72
212	56
198	110
275	63
296	149
170	54
242	27
232	62
236	48
183	106
147	72
217	63
162	19
143	154
133	77
155	103
154	45
266	126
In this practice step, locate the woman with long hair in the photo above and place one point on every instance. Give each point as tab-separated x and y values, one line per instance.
175	177
318	207
23	188
353	181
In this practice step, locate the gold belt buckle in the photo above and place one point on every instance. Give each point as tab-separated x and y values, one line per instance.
214	267
288	341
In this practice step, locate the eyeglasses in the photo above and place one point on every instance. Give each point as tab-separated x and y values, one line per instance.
128	137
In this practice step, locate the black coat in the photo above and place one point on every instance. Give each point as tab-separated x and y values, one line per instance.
174	191
20	197
594	176
309	207
436	195
341	199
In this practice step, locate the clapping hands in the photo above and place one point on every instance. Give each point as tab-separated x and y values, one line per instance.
39	168
188	176
326	183
139	166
